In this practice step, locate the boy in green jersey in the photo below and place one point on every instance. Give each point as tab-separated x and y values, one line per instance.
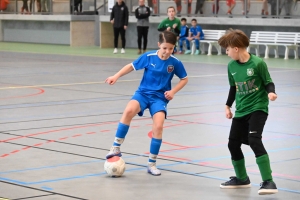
251	87
171	24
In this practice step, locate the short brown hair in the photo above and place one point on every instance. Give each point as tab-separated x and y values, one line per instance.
171	7
234	38
167	37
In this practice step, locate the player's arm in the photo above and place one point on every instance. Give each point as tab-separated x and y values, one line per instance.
229	102
170	94
112	15
146	15
137	14
125	70
161	27
269	85
177	28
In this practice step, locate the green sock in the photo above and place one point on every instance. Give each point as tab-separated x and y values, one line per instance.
263	163
240	169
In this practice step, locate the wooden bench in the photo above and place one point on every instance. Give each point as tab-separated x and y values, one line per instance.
290	40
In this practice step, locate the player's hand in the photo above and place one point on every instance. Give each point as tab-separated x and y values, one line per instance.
174	26
228	112
111	80
125	27
272	96
112	21
169	28
169	95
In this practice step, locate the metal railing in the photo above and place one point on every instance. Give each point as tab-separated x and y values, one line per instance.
194	8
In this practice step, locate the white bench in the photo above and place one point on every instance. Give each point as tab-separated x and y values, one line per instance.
211	37
290	40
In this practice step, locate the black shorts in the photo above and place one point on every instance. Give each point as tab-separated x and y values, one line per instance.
242	127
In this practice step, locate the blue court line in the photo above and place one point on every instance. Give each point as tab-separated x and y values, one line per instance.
135	169
61	165
46	188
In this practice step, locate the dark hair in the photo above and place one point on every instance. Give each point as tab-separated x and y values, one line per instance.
183	19
171	7
167	37
194	20
234	38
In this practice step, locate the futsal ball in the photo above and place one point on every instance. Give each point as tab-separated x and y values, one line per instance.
114	166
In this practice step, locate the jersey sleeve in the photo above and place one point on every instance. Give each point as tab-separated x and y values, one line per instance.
140	63
264	73
161	26
230	78
180	70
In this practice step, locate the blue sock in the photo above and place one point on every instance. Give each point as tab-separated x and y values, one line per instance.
120	134
154	149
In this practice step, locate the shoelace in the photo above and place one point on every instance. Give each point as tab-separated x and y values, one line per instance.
232	179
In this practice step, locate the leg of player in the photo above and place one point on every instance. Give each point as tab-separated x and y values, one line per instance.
256	126
238	132
132	108
157	130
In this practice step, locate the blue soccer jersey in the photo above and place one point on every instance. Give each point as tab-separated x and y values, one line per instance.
196	30
158	73
184	32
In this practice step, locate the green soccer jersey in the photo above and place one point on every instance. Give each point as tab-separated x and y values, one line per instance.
250	79
169	23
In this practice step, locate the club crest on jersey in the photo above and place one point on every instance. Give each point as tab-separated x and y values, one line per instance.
170	68
250	72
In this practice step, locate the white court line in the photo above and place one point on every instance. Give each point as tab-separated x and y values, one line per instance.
102	82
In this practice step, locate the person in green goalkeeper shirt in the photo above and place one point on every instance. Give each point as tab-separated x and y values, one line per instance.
251	87
171	24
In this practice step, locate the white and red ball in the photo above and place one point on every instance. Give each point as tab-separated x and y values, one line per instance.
114	166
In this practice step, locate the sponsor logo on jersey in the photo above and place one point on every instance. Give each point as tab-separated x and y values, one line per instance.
250	72
170	68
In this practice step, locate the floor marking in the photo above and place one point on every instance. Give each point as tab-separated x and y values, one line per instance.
102	82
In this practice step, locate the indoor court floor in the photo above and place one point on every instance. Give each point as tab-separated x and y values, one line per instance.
58	120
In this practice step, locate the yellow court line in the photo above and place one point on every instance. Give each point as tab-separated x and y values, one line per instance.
3	199
102	82
90	83
65	84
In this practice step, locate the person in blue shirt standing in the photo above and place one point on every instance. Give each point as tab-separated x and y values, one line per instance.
196	34
184	33
154	93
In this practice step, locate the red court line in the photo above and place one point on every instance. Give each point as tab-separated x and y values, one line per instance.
92	132
77	135
41	91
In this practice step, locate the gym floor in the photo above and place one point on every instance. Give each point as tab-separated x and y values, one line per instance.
58	120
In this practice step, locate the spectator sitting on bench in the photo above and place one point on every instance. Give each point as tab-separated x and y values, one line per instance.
195	34
184	34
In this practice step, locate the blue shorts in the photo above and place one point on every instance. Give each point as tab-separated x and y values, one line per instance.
152	102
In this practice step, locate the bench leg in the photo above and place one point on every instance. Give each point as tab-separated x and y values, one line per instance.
286	54
202	48
209	49
193	47
296	53
219	48
267	52
257	51
276	52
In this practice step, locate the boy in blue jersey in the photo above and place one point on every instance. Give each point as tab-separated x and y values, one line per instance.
154	93
196	34
184	33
